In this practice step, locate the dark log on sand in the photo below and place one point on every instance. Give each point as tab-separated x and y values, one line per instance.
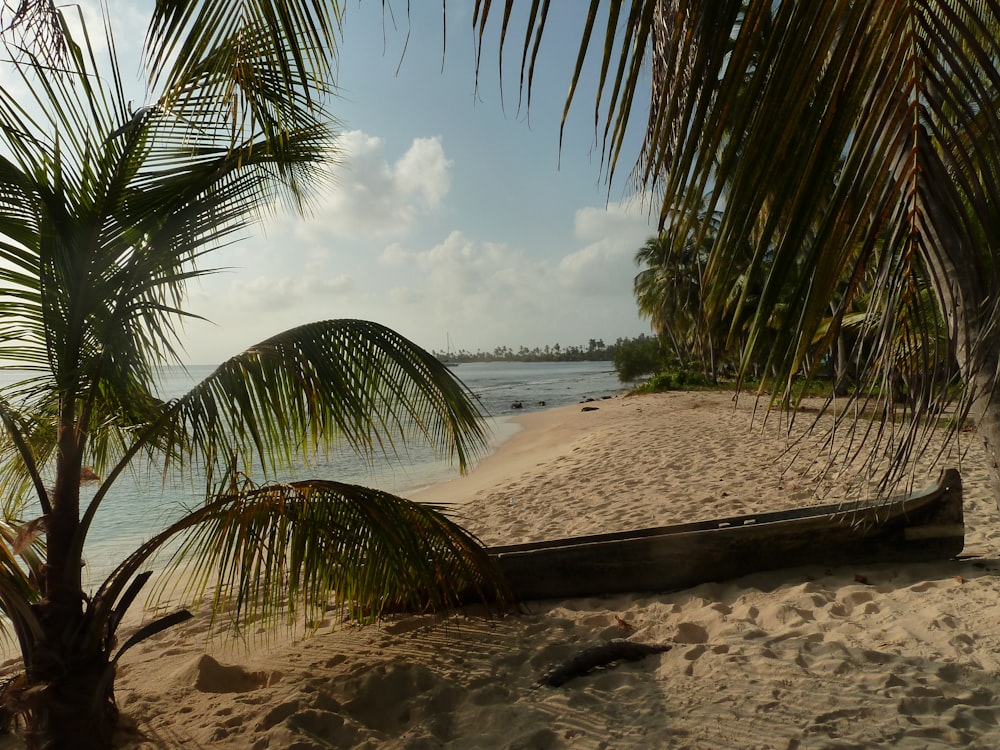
606	654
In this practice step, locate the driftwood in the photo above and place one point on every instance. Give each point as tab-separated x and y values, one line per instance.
606	654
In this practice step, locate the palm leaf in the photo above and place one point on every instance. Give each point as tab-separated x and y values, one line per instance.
283	550
269	63
330	544
343	382
833	137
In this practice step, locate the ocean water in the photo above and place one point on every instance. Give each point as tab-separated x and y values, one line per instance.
142	503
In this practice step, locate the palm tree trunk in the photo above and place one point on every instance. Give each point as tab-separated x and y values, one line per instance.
986	415
965	302
70	700
69	685
62	585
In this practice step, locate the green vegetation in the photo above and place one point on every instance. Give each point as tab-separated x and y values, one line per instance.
106	213
640	356
834	176
595	351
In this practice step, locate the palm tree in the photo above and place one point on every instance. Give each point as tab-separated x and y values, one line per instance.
667	295
832	137
669	291
106	212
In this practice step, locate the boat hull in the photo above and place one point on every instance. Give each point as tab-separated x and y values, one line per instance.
927	525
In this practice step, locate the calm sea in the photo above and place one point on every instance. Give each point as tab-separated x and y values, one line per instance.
139	504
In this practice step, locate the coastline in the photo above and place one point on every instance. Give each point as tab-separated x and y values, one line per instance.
538	436
900	655
635	461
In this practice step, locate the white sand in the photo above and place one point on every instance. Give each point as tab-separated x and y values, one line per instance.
803	658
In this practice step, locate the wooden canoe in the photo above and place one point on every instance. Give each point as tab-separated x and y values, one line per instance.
925	525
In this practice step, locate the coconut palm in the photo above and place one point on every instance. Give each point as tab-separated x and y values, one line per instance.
107	210
669	290
665	295
832	137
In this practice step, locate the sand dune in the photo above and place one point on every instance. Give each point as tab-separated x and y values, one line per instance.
903	657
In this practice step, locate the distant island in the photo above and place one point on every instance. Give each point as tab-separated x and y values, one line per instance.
595	351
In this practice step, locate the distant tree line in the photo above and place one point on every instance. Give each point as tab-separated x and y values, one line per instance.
595	351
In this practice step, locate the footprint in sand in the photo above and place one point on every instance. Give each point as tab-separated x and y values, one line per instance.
859	597
963	643
277	715
690	632
944	622
207	675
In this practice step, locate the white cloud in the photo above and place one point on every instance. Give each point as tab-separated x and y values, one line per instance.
374	198
394	255
624	219
613	235
423	171
483	294
287	292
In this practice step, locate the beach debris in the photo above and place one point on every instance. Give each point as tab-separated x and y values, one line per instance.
604	655
861	579
624	624
11	688
28	533
589	408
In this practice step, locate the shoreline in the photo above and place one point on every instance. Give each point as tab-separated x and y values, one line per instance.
646	460
540	435
904	655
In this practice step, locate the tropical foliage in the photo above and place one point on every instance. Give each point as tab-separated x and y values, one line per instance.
668	292
595	351
635	357
107	211
852	147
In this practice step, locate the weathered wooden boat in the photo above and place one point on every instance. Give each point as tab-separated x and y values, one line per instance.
926	525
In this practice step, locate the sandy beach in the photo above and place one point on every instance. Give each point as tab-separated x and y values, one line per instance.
901	656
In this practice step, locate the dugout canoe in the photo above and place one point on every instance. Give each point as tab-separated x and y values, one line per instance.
921	526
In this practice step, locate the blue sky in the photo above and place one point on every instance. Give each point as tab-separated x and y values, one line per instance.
453	214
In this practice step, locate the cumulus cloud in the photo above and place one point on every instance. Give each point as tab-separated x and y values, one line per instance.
460	267
372	197
481	293
423	171
605	263
287	292
394	255
623	219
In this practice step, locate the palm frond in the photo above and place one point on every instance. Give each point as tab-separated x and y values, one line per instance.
335	383
315	385
281	551
28	444
125	218
270	62
37	25
310	546
832	137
